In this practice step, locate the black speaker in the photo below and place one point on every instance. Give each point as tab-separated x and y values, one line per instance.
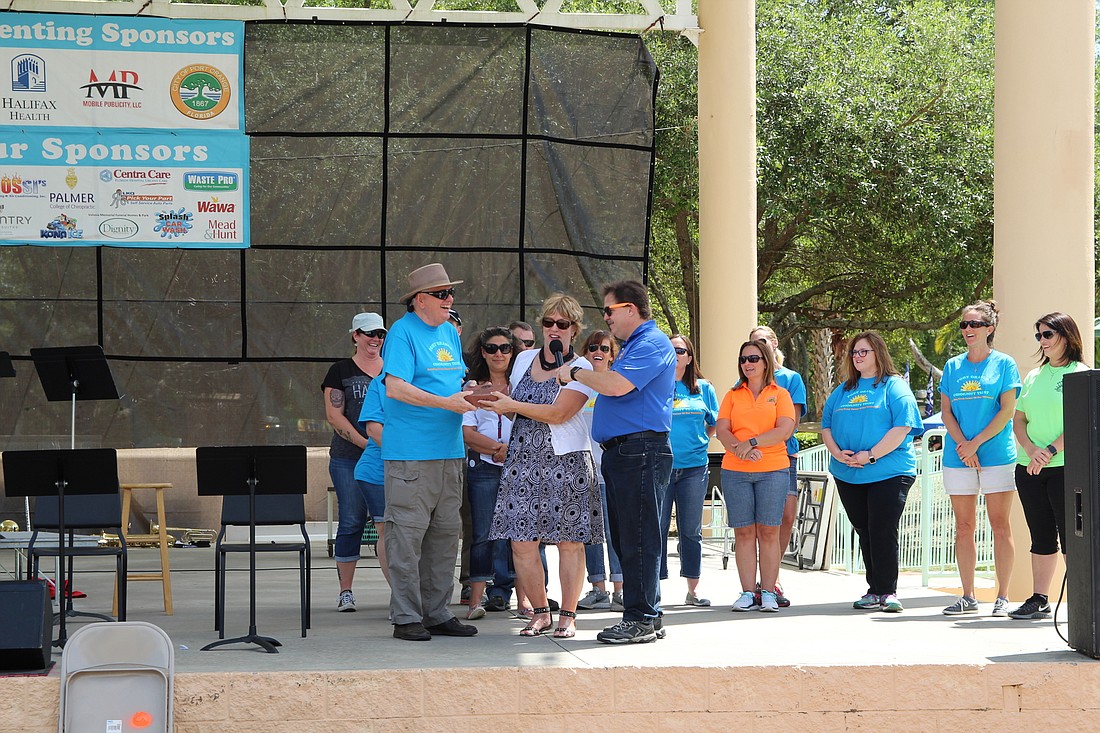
25	644
1081	417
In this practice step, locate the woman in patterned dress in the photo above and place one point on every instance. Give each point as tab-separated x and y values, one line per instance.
548	490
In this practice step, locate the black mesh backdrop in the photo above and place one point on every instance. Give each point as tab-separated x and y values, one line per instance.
518	156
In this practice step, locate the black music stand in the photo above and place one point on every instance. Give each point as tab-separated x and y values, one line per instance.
57	473
74	373
251	470
6	368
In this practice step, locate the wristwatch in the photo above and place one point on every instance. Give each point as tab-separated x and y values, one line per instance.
752	442
871	457
1052	450
573	372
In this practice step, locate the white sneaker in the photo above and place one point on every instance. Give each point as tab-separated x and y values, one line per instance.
1000	607
346	602
768	602
746	602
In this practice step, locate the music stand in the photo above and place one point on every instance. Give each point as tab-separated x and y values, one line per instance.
74	373
251	470
57	473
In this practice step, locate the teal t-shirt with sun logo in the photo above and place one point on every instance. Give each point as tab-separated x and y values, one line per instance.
974	391
429	358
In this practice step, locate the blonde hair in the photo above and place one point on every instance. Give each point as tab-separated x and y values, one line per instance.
568	306
773	342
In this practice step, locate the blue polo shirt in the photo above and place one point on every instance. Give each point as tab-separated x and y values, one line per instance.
369	466
861	416
429	358
648	362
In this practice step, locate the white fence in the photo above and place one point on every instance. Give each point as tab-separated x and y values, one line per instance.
927	532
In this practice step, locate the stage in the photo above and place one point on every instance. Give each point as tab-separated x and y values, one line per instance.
818	663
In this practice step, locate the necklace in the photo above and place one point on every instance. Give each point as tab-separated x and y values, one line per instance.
551	366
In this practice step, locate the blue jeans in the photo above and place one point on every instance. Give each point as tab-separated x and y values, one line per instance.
687	488
636	473
351	506
482	482
593	554
755	497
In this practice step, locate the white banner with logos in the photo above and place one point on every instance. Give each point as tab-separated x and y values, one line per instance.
122	131
121	72
136	189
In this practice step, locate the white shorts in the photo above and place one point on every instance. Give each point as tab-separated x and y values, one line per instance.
967	481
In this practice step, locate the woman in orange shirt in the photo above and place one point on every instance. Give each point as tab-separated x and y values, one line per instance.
754	422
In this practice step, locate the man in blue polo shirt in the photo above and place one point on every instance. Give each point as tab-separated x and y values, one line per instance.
631	422
422	451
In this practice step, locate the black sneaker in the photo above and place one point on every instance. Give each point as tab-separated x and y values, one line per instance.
628	632
411	632
554	605
659	627
1034	607
451	627
496	603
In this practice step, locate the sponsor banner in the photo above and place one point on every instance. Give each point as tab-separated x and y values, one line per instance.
132	189
120	72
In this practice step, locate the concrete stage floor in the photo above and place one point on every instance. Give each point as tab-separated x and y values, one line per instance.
820	628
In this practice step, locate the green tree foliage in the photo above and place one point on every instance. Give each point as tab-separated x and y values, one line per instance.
875	161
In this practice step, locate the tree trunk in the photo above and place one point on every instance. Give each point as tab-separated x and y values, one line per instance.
688	249
822	368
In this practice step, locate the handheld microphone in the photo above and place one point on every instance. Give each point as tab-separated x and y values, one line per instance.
556	349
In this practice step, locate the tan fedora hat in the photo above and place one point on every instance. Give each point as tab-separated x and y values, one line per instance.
428	277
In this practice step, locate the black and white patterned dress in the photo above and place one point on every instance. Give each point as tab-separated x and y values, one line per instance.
544	496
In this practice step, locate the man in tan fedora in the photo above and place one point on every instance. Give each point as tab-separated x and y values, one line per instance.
423	450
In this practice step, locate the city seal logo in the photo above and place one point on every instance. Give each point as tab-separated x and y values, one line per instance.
200	91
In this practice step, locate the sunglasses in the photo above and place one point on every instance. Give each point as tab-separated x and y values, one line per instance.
494	348
861	353
681	350
593	348
528	342
973	324
608	308
1048	335
441	294
562	325
751	358
375	334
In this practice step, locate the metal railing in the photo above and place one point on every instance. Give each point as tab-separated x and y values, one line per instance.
927	530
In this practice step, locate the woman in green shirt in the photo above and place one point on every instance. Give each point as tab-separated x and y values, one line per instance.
1040	465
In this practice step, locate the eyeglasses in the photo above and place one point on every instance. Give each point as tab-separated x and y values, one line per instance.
375	334
494	348
861	353
751	358
973	324
608	308
528	342
441	294
681	350
1048	335
562	325
593	348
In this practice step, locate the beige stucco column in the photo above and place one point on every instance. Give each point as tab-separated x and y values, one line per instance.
1043	186
727	184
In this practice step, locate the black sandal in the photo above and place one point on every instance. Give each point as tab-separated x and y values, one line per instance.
531	629
564	632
